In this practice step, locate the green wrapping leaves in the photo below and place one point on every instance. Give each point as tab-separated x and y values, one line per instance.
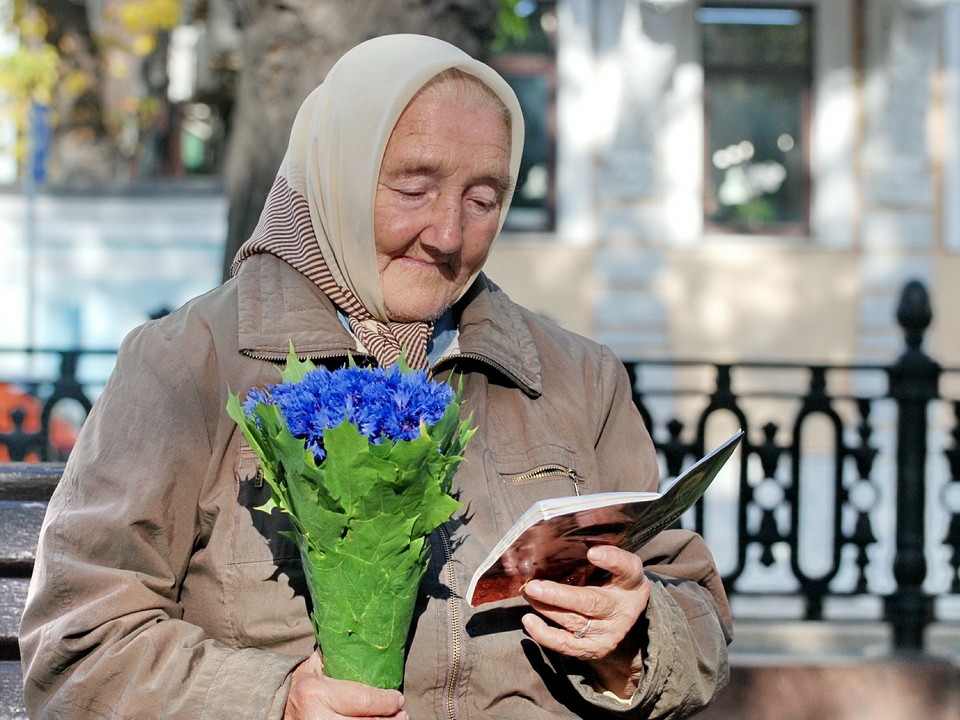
361	515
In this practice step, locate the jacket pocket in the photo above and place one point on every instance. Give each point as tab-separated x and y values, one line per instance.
544	471
268	542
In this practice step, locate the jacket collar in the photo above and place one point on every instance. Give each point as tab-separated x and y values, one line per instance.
278	306
494	331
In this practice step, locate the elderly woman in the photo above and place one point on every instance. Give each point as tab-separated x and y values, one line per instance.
160	591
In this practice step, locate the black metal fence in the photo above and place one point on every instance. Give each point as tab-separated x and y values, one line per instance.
831	497
846	488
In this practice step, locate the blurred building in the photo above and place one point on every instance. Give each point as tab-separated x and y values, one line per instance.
744	179
711	179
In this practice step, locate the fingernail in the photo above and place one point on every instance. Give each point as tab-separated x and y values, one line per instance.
532	588
524	621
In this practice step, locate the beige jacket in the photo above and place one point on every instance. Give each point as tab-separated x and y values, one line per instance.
160	591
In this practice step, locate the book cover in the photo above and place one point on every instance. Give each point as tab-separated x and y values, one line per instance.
551	539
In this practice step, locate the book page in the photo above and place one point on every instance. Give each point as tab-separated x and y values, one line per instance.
546	545
681	495
554	549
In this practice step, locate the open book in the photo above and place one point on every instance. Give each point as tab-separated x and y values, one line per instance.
551	539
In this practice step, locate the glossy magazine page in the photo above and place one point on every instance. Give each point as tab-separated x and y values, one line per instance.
550	540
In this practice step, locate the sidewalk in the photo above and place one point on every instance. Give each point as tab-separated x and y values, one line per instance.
837	671
830	641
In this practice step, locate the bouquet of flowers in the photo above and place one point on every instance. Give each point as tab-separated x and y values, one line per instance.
362	460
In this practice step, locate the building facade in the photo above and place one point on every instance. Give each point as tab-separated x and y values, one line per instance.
881	128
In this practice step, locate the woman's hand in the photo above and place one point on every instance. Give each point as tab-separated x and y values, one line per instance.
598	624
314	696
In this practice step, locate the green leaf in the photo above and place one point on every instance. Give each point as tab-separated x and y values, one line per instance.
257	440
446	427
351	470
369	590
402	363
322	528
295	369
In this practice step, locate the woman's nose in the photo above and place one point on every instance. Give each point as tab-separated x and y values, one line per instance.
446	227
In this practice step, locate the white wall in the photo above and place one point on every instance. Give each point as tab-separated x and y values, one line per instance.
85	270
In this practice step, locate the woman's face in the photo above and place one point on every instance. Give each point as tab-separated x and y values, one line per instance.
439	195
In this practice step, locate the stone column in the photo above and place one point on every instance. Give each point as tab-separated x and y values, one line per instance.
636	50
899	224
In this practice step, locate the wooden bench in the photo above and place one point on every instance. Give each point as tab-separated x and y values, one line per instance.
25	489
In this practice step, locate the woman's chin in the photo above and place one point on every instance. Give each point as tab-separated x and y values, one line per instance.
417	306
415	313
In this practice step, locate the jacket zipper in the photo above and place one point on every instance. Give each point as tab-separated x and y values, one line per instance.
275	357
453	677
547	471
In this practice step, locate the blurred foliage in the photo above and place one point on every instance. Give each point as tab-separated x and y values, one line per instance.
143	19
30	73
100	67
512	28
525	27
53	64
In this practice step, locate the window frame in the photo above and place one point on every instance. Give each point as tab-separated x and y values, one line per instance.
834	128
536	65
759	69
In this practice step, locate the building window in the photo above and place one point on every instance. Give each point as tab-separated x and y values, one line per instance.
527	62
757	64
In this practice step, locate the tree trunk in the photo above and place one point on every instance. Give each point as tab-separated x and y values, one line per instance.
287	48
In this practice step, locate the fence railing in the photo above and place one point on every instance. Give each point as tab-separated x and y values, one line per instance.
843	499
840	470
34	385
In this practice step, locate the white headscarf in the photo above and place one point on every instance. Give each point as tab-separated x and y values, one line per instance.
319	215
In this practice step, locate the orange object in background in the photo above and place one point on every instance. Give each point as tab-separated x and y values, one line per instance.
62	434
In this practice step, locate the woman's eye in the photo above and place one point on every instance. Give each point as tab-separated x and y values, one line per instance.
409	197
484	202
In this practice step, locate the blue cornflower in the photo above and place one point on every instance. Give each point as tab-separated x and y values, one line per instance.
254	398
384	404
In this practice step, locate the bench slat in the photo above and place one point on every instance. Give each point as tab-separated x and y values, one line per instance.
13	597
11	692
29	482
25	489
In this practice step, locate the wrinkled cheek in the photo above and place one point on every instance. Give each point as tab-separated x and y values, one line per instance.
475	253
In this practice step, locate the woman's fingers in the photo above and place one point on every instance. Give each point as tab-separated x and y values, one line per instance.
589	622
314	696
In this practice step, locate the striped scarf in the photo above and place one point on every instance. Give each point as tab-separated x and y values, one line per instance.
285	230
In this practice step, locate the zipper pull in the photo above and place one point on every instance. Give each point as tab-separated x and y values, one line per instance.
576	482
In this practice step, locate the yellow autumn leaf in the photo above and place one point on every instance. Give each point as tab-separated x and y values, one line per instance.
144	44
76	83
32	26
149	16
